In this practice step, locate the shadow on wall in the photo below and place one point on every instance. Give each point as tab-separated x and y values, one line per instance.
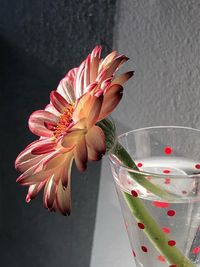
28	233
38	40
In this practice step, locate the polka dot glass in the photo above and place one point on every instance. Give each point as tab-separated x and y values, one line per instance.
165	180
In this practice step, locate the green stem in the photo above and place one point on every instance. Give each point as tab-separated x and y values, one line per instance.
125	158
152	230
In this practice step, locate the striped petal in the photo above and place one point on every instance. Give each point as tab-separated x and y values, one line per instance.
86	73
94	63
121	79
25	165
63	198
49	193
107	60
44	148
27	159
66	86
111	99
115	64
34	190
30	178
37	122
58	101
51	109
79	85
66	170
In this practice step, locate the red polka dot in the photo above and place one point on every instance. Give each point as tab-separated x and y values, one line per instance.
144	249
167	181
171	243
196	250
166	171
166	230
134	193
197	166
140	164
168	150
173	265
160	204
171	212
184	192
133	253
141	225
161	258
149	178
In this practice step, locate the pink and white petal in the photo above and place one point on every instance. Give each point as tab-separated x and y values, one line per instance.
25	165
107	60
94	63
49	193
34	190
44	148
95	108
101	76
121	79
51	109
96	52
91	87
80	154
66	170
111	99
106	83
115	64
79	84
65	88
86	73
95	139
28	172
26	156
58	101
71	75
37	122
63	198
30	177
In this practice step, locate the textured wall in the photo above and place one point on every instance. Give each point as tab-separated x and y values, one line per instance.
39	42
162	38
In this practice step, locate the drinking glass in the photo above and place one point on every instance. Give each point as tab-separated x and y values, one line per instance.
160	194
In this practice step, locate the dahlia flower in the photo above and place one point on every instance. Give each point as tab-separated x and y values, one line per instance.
68	128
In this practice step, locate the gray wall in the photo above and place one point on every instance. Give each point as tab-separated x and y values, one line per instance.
162	38
39	41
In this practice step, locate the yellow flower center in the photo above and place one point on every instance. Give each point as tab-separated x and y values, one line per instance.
64	121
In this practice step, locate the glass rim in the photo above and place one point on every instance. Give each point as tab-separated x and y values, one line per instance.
115	161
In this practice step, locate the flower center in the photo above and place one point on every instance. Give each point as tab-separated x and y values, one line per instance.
64	121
